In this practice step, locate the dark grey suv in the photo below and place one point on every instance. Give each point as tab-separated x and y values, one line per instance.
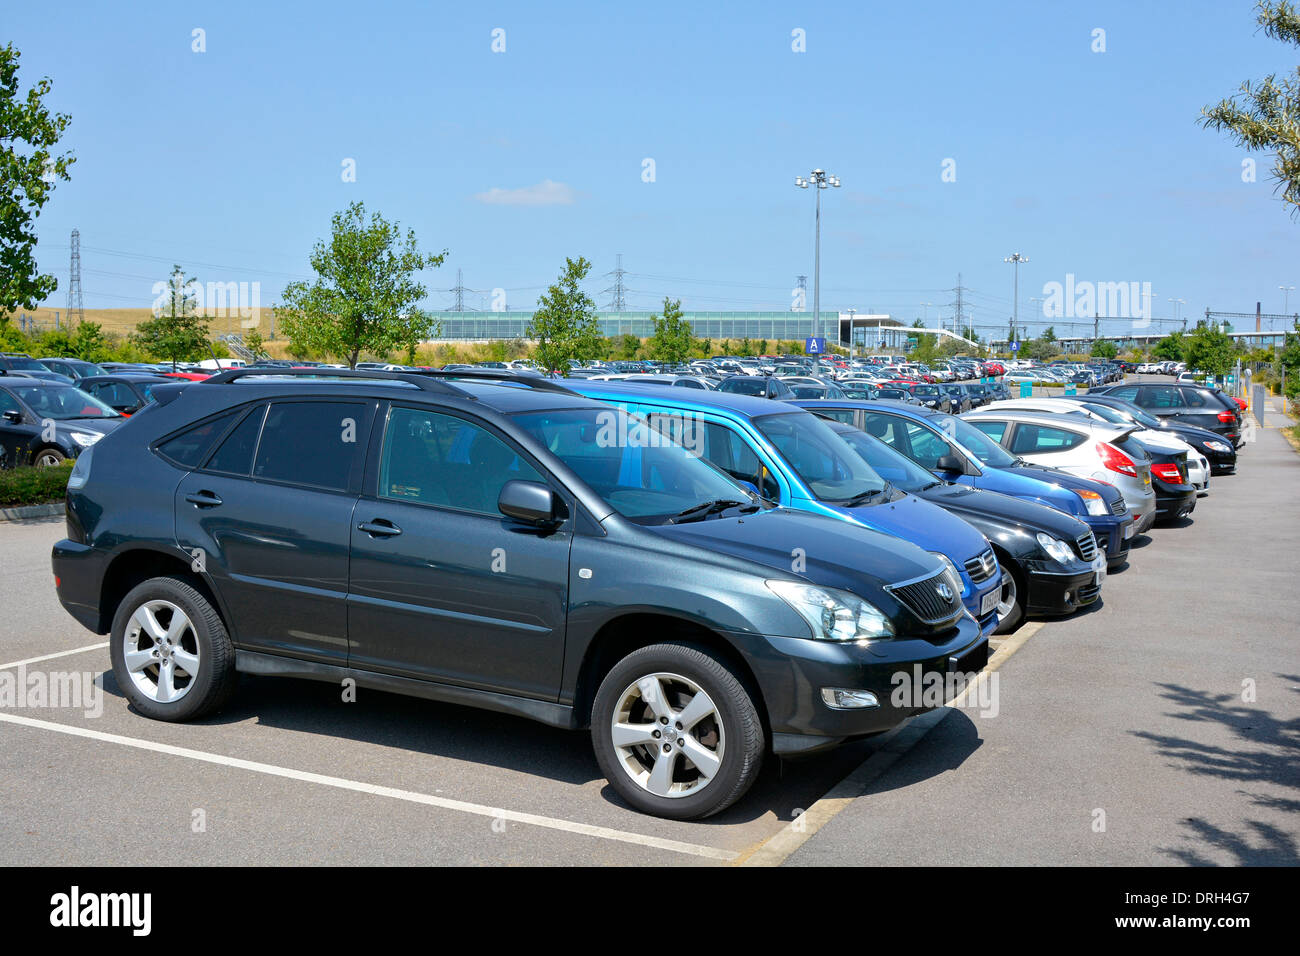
501	543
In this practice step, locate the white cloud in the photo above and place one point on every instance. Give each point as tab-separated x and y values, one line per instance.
546	193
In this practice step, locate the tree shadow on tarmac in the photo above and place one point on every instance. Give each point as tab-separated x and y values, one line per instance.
1266	751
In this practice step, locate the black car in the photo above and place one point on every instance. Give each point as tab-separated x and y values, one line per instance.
761	386
1186	404
501	542
1175	494
958	399
1218	450
20	362
125	393
928	396
1037	583
977	393
74	368
43	423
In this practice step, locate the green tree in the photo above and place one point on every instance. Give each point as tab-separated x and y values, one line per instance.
565	324
1104	348
1049	334
365	296
29	169
673	339
177	332
89	342
1172	348
1266	116
1210	351
253	342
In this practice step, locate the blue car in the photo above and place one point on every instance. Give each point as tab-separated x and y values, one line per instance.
956	451
792	457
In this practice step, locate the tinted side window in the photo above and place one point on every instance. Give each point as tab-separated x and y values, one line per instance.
189	447
1030	439
443	460
1160	397
844	415
1193	397
115	394
311	443
235	456
927	447
8	403
1128	392
731	453
995	430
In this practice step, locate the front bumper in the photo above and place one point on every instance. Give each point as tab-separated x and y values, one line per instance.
1055	593
1113	536
792	672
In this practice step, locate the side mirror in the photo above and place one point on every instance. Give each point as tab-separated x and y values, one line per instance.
749	485
528	501
950	462
14	418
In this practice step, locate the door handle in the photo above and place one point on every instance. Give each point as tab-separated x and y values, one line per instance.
379	527
204	499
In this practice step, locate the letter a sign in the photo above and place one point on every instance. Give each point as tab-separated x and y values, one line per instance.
814	346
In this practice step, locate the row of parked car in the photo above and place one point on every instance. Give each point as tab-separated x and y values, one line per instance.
702	578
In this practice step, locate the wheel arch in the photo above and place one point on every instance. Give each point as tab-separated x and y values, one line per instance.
137	565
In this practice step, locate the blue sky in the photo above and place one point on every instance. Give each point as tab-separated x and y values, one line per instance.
229	161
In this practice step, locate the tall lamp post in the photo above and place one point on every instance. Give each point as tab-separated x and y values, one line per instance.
1286	292
1015	258
1177	303
819	179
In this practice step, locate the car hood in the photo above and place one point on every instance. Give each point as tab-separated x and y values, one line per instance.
101	425
1070	483
991	508
836	553
914	519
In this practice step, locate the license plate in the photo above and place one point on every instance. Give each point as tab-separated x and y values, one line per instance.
1130	528
1099	565
990	602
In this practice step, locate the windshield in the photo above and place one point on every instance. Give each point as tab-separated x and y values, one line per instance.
827	465
899	470
63	402
985	449
25	364
929	391
641	471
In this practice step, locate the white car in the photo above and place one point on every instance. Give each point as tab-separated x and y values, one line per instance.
1198	466
1080	446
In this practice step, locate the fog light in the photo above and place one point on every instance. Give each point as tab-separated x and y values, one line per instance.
1069	597
843	698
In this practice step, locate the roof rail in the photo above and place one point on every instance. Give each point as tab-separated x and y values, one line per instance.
429	381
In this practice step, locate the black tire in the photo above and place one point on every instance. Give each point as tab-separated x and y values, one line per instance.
1016	617
216	681
48	457
742	737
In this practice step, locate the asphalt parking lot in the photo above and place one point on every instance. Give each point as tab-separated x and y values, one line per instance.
1136	709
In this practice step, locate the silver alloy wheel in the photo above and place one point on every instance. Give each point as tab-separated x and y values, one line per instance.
161	652
48	459
668	735
1008	602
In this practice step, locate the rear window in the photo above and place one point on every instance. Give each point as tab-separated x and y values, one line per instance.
191	446
235	456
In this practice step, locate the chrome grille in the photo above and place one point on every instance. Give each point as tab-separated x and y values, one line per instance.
1087	545
1118	507
923	599
982	567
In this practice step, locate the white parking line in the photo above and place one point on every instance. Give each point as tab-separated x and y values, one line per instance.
569	826
50	657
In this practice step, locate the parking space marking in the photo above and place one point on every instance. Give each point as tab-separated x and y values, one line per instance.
340	783
777	849
50	657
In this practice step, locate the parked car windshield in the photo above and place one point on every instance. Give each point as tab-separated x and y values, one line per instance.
649	473
830	468
63	402
750	385
898	469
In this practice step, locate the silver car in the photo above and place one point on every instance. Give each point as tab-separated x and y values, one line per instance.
1081	446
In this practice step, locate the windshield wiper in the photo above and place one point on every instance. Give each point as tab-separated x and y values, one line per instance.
706	508
866	496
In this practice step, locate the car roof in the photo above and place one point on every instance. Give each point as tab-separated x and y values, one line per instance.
746	405
128	377
1039	418
869	404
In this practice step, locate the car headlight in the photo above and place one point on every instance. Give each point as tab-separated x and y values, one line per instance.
1057	549
833	615
1218	446
85	439
1094	502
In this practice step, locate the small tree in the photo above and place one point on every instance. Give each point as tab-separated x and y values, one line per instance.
253	342
1210	351
1104	348
29	170
565	324
177	332
365	297
673	339
1172	348
1266	116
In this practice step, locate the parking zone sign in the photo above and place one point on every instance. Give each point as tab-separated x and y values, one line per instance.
814	346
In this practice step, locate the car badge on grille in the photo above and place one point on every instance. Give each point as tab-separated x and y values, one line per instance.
944	591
